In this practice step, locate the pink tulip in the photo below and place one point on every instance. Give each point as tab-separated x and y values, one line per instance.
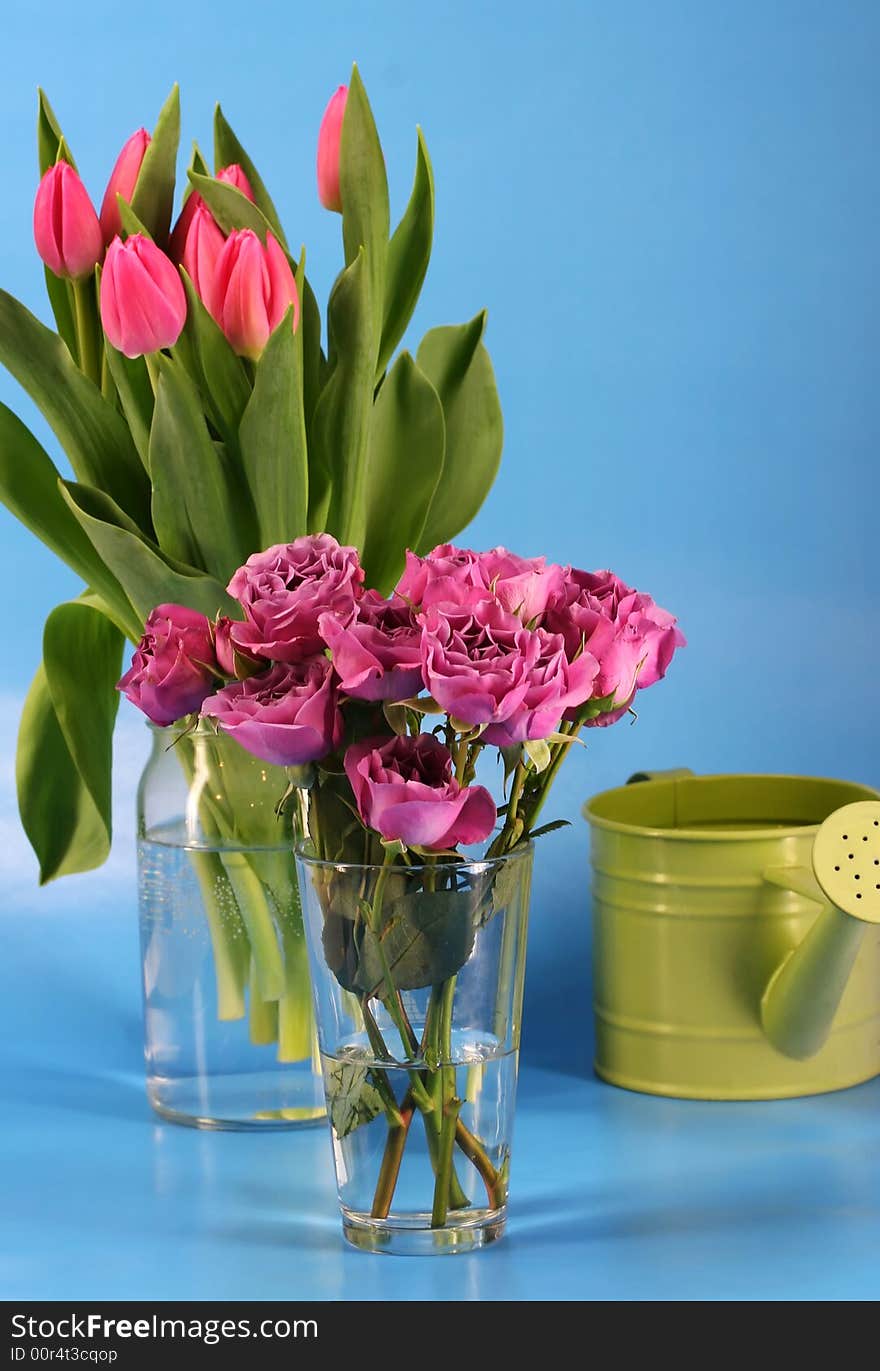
329	138
204	243
233	176
123	179
66	228
143	303
251	290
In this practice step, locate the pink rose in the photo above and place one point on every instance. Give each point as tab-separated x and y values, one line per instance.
285	590
632	638
484	667
287	715
173	667
404	789
449	575
377	654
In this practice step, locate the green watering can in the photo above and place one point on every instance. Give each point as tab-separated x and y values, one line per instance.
736	935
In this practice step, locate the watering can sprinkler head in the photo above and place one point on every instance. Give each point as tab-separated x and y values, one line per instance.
802	996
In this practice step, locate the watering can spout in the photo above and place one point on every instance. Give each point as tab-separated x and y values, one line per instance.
803	994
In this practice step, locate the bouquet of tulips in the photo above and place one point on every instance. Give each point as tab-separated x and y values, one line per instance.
203	416
382	709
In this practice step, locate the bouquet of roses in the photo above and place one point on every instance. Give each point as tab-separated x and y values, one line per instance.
382	709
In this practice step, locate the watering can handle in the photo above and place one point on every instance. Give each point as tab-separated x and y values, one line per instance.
676	773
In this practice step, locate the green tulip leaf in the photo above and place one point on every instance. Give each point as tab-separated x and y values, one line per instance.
130	222
29	487
60	295
59	816
456	362
146	575
407	442
82	654
51	145
91	431
229	151
132	381
153	197
363	187
314	361
409	253
199	513
272	438
341	425
221	374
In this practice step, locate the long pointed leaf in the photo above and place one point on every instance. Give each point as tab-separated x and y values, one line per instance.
409	253
407	441
222	377
144	574
228	150
132	381
49	136
272	438
93	434
153	197
363	187
60	295
82	654
198	513
29	487
341	424
456	362
58	814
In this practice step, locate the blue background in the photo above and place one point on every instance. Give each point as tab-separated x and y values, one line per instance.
671	212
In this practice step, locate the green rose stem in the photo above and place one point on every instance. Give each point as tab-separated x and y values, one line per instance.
389	1170
450	1105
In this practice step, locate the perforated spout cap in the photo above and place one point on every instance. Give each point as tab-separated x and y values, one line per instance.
846	859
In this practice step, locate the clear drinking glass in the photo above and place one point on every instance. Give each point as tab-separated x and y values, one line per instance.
417	973
229	1034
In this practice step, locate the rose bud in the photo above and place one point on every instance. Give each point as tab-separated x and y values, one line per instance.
285	591
173	667
251	291
233	660
204	243
287	715
404	789
329	139
377	655
123	179
143	303
66	228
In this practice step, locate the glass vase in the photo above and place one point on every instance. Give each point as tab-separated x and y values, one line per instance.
417	973
228	1025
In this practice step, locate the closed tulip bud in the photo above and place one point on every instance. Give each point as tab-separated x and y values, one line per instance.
204	243
66	228
329	138
234	176
123	179
251	291
143	303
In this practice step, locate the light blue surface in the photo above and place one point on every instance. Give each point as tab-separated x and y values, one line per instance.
673	214
615	1195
